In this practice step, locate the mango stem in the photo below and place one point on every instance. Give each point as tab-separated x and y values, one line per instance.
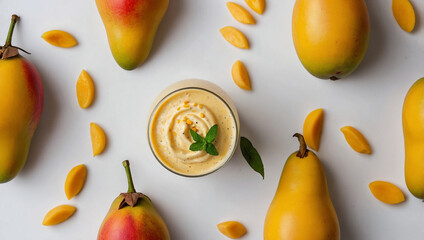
15	18
131	188
303	150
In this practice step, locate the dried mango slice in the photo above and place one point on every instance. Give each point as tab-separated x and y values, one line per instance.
232	229
98	139
240	13
241	76
75	181
312	128
356	140
256	5
387	192
85	89
59	38
404	13
235	37
58	214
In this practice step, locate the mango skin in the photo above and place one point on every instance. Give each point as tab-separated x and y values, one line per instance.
413	130
302	208
330	36
21	105
131	27
141	222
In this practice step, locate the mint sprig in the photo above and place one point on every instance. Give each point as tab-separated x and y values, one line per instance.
252	156
206	144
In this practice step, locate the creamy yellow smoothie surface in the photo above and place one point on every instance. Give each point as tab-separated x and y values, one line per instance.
191	109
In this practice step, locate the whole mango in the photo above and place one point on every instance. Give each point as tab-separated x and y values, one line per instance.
330	36
21	104
132	216
131	27
302	208
413	131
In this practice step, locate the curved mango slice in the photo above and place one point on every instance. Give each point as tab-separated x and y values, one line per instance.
241	76
59	38
98	139
75	181
387	192
356	140
232	229
58	215
256	5
235	37
240	13
404	13
85	89
312	128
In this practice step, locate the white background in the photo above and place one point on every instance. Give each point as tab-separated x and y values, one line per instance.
189	45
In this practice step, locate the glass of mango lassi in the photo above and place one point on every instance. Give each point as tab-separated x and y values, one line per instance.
197	105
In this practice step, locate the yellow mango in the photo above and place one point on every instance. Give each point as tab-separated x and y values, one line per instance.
256	5
235	37
302	208
330	36
386	192
85	89
356	140
413	131
404	13
240	13
59	38
75	181
312	128
58	215
98	139
241	76
21	106
232	229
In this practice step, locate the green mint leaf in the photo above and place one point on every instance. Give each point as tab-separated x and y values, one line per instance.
205	143
196	137
252	156
211	135
210	148
197	146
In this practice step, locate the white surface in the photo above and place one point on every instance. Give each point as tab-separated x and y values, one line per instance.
189	45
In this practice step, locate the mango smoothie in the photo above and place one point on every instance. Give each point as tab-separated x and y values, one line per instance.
197	105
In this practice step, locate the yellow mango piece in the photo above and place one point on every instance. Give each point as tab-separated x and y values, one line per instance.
235	37
241	76
75	181
356	140
387	192
59	38
312	128
58	215
404	13
256	5
85	89
98	139
240	13
232	229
